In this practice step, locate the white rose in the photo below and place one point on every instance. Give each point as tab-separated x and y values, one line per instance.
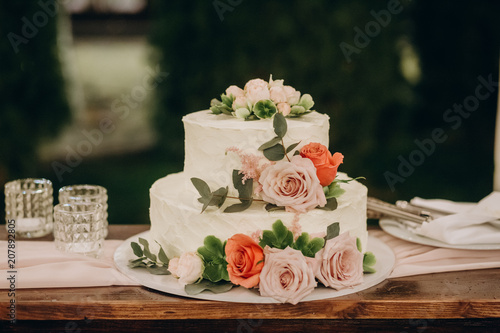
235	91
257	90
240	102
275	83
292	95
188	268
278	95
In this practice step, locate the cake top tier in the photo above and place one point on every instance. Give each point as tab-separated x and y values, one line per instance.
261	99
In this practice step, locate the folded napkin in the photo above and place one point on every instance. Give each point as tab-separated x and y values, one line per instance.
40	265
468	224
416	259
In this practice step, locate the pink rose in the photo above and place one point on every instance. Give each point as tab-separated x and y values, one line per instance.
293	185
235	91
292	95
340	263
257	90
284	108
286	275
275	83
278	95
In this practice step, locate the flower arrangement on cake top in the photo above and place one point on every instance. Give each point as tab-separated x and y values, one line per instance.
260	100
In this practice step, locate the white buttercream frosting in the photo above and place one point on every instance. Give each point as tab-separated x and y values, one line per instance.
176	222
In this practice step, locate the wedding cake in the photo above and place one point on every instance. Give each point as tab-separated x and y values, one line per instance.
257	160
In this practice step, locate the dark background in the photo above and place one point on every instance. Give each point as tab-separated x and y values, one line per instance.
376	111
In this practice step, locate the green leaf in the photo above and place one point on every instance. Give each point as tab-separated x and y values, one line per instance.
279	124
333	190
201	186
218	197
315	245
297	111
307	246
345	181
216	288
369	260
369	270
284	237
331	204
268	238
137	264
214	245
306	101
275	153
163	257
332	231
292	147
158	270
273	142
215	272
358	244
301	241
227	100
244	189
137	249
236	208
272	207
146	251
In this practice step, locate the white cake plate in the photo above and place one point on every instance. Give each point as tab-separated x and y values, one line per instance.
168	284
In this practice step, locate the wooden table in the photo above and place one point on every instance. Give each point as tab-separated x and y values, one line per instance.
456	301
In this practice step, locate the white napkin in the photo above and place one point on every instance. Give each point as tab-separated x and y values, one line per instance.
471	224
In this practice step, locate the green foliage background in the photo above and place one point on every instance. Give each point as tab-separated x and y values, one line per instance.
375	113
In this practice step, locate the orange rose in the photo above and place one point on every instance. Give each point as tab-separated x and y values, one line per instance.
326	164
245	259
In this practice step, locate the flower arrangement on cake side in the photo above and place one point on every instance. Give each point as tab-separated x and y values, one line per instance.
260	100
283	263
272	261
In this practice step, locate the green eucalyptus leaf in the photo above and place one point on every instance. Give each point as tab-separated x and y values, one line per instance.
201	186
273	142
296	153
236	208
158	270
332	231
146	250
163	256
218	197
216	288
331	204
137	264
292	147
272	207
279	124
275	153
244	189
137	249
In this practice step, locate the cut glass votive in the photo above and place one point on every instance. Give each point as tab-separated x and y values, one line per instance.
28	207
87	193
78	228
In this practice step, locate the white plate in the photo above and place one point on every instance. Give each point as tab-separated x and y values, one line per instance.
398	230
167	283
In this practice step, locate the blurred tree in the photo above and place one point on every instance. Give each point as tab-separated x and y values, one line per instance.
33	104
355	58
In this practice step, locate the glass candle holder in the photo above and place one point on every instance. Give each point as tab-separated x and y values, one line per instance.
78	228
28	207
87	193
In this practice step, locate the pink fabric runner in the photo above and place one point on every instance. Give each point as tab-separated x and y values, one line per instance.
40	265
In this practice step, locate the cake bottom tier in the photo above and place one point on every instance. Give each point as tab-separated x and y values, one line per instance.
178	225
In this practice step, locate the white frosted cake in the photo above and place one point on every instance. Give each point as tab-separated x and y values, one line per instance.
176	222
260	203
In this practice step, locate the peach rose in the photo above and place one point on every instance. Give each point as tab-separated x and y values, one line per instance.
257	90
293	185
235	91
326	165
240	102
245	260
286	276
340	263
